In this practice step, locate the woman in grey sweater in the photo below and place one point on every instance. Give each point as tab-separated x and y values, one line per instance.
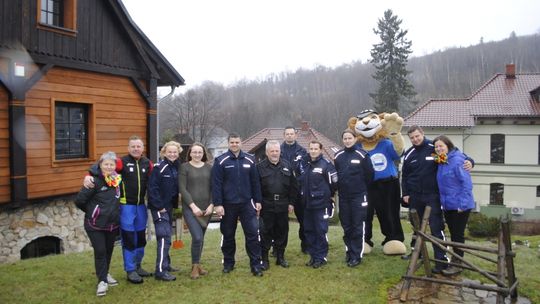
195	188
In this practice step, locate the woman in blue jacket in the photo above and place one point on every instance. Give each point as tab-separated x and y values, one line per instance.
318	183
355	173
162	195
455	188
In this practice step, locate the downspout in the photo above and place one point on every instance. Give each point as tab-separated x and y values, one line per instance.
173	88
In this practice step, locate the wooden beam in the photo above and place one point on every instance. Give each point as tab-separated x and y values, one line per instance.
86	66
17	150
37	76
141	89
151	127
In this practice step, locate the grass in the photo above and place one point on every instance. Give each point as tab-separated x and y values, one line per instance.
70	278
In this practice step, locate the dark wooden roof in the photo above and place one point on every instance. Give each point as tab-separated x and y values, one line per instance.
106	40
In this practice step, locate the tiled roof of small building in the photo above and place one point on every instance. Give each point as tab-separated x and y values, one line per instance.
304	136
501	96
442	112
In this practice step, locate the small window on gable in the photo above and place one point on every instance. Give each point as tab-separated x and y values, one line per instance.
58	16
537	191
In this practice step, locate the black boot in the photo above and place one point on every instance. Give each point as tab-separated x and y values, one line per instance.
281	259
265	261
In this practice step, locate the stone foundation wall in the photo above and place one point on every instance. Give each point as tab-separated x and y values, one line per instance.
59	218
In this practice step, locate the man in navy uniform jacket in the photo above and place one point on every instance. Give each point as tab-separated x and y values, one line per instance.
236	193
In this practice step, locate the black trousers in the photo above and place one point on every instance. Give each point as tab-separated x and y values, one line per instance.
103	244
299	213
275	226
384	198
457	221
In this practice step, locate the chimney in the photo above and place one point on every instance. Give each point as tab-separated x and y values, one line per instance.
305	126
510	71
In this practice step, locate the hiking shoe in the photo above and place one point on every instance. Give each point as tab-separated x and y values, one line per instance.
165	276
451	270
111	281
257	272
143	273
318	264
134	277
282	262
102	288
265	265
228	268
354	262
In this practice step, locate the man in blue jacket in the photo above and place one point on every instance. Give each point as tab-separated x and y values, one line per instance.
419	187
236	192
318	183
293	152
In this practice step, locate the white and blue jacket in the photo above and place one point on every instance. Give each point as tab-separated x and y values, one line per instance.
235	180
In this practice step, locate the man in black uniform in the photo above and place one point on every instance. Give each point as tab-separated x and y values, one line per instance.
279	190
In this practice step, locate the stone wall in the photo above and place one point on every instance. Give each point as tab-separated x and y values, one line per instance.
59	218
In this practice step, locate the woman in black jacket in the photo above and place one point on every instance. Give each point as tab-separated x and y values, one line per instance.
101	206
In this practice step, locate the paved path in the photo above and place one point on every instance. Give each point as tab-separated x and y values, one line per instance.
425	292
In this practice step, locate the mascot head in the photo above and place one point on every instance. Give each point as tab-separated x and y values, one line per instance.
368	123
368	126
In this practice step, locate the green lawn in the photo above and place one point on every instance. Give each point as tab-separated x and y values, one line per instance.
70	278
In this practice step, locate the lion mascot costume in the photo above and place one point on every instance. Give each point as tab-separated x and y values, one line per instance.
380	135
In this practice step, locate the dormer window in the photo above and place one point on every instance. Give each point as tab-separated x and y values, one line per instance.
58	16
536	94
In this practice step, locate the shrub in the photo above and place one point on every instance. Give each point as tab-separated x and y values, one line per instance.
480	225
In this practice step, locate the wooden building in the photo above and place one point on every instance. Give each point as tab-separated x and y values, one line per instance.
77	78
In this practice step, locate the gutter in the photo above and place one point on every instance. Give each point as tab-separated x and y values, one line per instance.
173	88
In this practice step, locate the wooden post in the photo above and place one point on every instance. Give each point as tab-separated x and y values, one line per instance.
510	272
504	261
419	246
500	266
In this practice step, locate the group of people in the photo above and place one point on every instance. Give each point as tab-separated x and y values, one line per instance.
436	174
261	196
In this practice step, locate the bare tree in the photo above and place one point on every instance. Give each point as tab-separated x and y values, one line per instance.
196	112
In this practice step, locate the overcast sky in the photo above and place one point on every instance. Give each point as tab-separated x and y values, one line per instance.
226	41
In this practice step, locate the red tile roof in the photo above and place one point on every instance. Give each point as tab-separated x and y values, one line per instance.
498	97
255	141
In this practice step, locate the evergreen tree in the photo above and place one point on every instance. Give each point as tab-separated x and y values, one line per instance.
389	57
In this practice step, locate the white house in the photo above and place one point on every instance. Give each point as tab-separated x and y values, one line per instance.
499	127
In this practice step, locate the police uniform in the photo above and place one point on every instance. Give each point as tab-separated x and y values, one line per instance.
355	173
163	194
318	183
236	187
419	182
279	190
294	154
